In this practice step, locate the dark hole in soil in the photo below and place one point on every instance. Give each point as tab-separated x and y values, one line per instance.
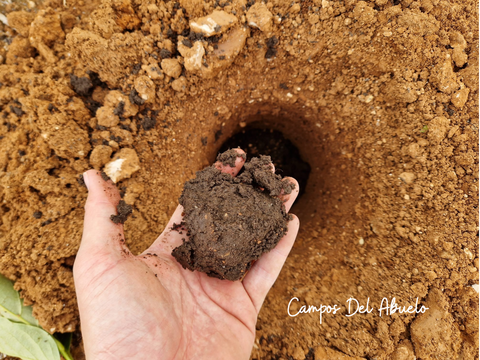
285	155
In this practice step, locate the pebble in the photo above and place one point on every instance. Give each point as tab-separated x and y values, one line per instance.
171	67
145	88
460	97
193	56
215	23
100	156
106	117
123	165
260	17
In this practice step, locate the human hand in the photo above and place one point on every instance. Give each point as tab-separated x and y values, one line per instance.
148	306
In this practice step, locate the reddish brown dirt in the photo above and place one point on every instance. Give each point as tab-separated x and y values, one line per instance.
381	98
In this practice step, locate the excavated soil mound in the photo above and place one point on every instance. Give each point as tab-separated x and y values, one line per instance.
380	98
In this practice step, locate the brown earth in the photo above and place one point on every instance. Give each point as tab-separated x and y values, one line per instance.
380	97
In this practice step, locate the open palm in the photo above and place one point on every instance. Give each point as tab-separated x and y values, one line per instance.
148	306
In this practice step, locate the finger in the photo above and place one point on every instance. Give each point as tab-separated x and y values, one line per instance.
239	161
169	239
264	272
99	231
289	199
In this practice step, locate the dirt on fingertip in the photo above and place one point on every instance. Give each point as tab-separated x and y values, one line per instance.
229	157
231	221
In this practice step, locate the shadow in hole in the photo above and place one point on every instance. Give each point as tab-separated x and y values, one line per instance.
285	155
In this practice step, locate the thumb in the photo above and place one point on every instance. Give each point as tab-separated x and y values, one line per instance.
100	233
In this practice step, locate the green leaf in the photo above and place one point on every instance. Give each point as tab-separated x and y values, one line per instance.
424	129
27	315
9	297
26	341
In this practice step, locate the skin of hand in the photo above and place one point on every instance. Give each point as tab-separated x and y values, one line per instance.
148	306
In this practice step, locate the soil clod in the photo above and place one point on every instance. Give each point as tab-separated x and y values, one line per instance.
231	221
124	210
229	157
81	85
104	176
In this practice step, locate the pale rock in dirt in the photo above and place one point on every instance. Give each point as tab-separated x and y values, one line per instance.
457	41
215	23
435	334
145	88
100	156
106	117
171	67
460	97
234	43
437	129
222	57
193	56
124	163
180	84
443	77
115	97
260	17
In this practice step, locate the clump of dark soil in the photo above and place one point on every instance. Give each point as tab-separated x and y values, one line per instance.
104	176
229	157
285	155
231	221
124	211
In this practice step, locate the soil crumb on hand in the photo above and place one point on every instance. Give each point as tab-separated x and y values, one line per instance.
230	220
104	176
229	157
124	211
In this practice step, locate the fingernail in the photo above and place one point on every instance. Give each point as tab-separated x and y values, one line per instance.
85	178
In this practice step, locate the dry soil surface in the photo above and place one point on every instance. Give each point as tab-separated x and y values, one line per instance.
380	97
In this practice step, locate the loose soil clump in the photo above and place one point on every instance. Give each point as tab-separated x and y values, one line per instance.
124	210
230	220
